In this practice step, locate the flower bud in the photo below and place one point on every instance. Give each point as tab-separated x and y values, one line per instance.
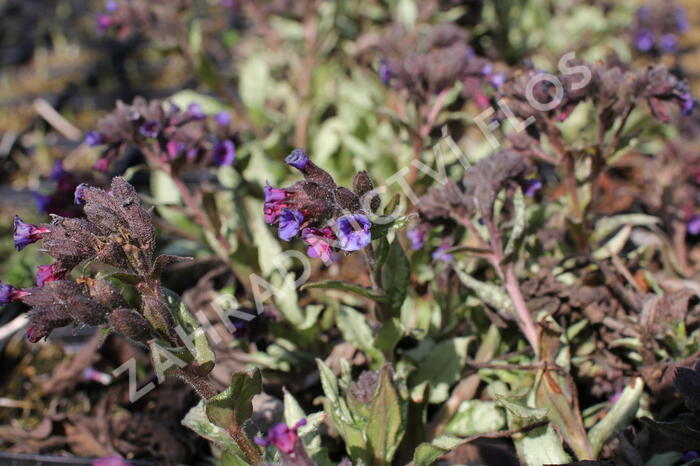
131	324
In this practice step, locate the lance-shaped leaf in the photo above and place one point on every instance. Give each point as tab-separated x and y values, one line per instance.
357	331
427	453
196	419
489	293
619	417
537	446
191	332
556	391
519	223
396	277
232	407
386	421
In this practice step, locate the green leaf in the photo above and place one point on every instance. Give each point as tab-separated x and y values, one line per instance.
201	351
388	336
356	330
196	419
619	417
379	230
614	245
186	97
396	277
519	222
346	286
492	295
232	407
538	446
254	84
427	453
309	433
385	427
441	368
329	383
475	417
542	446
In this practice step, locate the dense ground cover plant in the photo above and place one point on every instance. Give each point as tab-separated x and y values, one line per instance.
365	233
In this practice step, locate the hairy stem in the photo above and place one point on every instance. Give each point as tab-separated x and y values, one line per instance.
525	320
194	376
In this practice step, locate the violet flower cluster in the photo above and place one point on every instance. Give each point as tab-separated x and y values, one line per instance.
658	26
613	87
433	63
178	137
328	217
119	234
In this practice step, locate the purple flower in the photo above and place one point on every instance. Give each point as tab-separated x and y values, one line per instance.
94	138
58	173
224	153
111	6
687	103
668	43
441	255
26	233
242	329
290	223
644	41
273	203
43	202
384	72
282	437
273	194
150	129
297	159
694	225
497	80
223	118
195	112
353	232
9	294
104	22
102	165
417	237
174	148
78	195
319	242
49	273
531	187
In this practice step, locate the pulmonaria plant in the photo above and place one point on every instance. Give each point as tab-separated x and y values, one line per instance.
117	233
427	65
471	202
166	134
613	88
657	27
327	216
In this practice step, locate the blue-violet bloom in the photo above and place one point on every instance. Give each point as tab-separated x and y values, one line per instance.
282	437
353	232
26	233
224	153
297	159
290	223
